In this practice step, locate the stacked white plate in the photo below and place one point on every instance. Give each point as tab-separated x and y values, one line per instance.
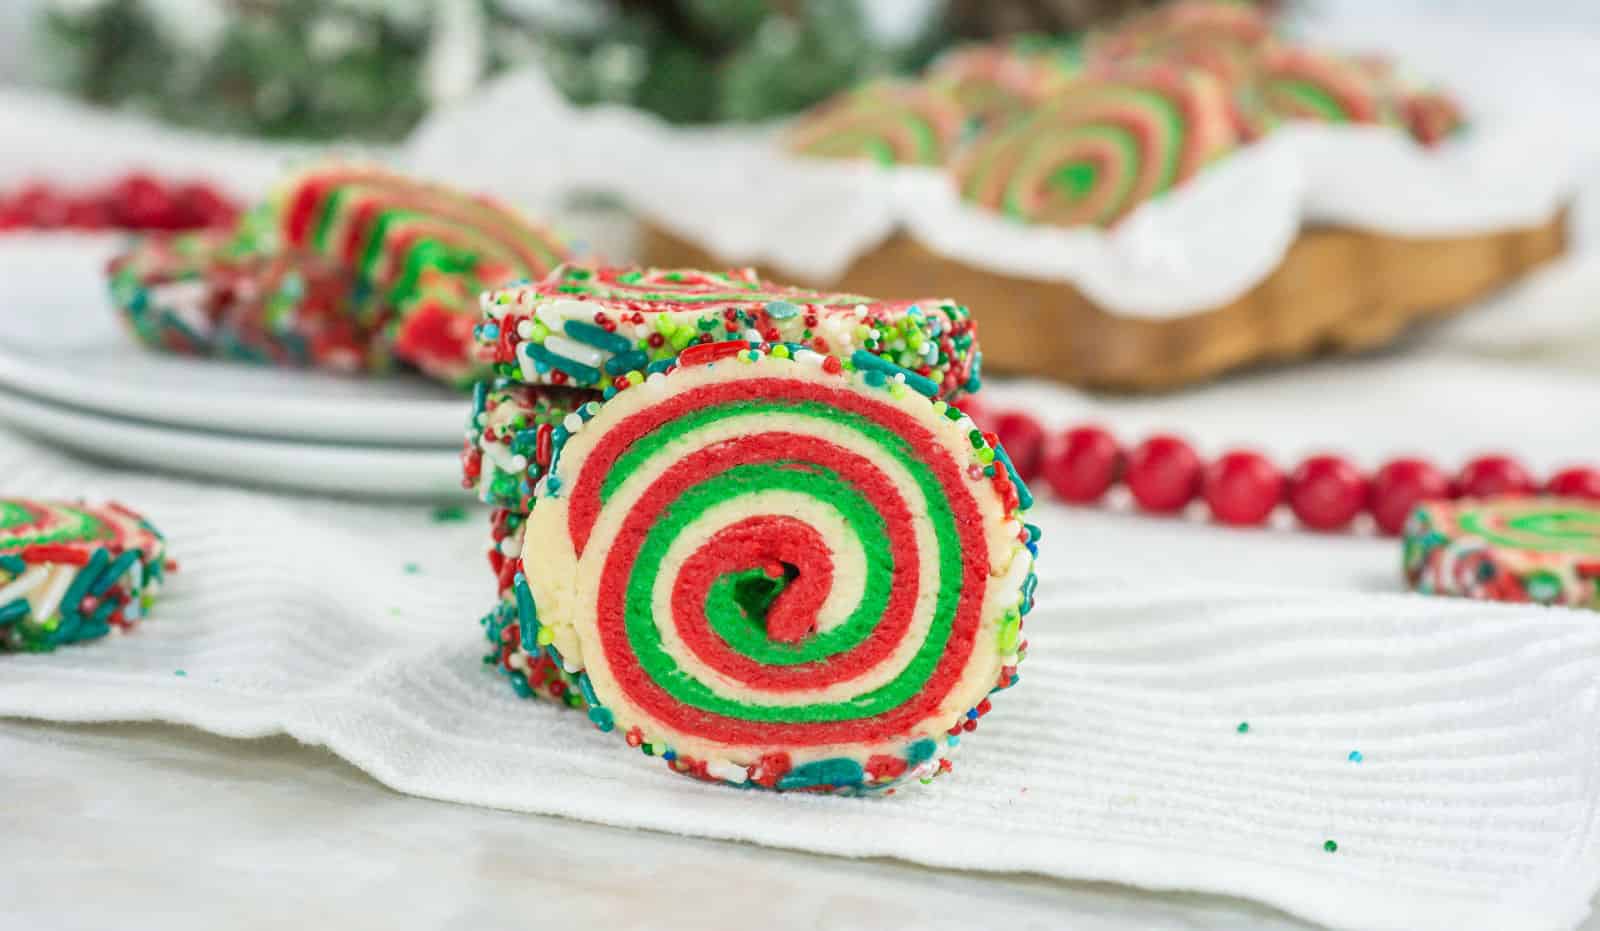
71	374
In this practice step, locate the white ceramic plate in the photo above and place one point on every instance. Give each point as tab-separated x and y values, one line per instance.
61	340
357	470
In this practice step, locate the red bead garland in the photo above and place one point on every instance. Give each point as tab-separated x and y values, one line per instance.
136	201
1242	488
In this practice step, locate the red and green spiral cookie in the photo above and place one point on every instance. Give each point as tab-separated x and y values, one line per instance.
202	294
1522	549
590	327
888	122
1101	149
771	568
424	250
73	572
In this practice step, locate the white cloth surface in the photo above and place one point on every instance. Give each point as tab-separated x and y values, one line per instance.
1117	757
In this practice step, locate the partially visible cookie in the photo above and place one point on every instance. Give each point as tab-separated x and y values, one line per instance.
73	572
1521	549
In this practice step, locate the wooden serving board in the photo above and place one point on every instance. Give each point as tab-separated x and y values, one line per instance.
1337	289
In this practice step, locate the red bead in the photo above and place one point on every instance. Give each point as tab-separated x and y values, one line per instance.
1326	492
1576	482
1242	488
140	202
40	206
87	213
1399	487
1488	476
1163	474
1082	464
201	205
1023	439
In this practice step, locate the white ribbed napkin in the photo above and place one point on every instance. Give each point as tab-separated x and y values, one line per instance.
1118	757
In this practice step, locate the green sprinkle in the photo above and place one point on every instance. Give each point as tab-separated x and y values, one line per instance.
180	673
449	514
1244	727
412	568
1330	846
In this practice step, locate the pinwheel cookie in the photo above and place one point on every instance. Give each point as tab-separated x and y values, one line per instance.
349	267
1544	550
73	572
1096	153
888	122
769	563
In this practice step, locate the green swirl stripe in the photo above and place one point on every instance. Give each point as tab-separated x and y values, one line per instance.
1312	99
70	525
1572	530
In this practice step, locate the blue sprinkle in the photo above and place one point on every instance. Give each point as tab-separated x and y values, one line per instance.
528	615
875	379
782	310
180	673
552	484
597	336
1024	496
13	565
867	362
80	584
669	756
660	365
837	772
13	612
602	718
1355	756
525	441
542	356
491	331
113	572
626	362
921	752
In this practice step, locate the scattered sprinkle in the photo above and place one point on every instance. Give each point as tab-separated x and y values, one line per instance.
180	673
1330	846
1355	756
412	568
1244	727
449	514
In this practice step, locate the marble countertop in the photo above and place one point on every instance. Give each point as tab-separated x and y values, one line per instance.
143	825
